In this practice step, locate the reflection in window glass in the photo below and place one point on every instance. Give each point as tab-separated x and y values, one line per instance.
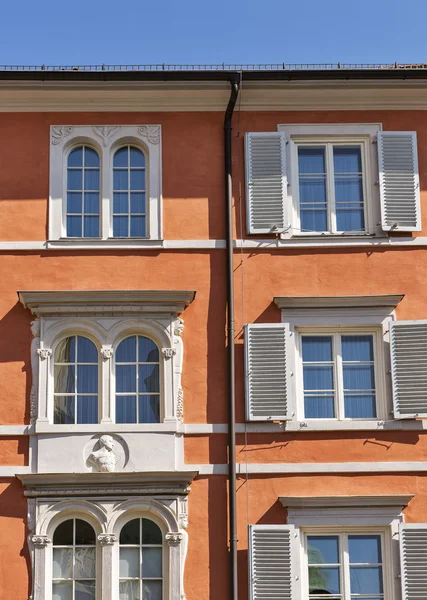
76	381
129	193
83	193
74	561
137	381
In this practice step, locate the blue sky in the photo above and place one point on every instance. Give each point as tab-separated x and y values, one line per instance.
199	31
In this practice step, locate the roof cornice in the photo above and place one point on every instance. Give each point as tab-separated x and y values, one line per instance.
316	302
111	302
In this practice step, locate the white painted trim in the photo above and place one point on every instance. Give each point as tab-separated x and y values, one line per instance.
345	502
12	471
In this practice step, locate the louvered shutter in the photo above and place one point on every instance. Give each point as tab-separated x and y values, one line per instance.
408	341
267	368
413	560
273	562
266	184
399	181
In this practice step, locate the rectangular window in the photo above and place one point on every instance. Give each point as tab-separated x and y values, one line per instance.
338	373
345	566
331	188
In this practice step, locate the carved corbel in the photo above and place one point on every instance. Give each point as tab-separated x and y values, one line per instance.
41	541
174	539
168	352
106	352
44	353
107	539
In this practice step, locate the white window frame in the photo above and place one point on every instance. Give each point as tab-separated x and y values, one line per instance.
363	135
336	332
106	140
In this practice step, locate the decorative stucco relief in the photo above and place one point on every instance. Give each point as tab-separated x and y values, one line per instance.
44	353
35	345
58	133
107	454
105	132
151	132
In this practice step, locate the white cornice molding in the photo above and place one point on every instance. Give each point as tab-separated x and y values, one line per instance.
212	96
295	502
111	302
343	302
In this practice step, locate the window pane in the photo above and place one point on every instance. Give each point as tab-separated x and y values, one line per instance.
151	533
91	179
137	180
64	410
318	377
91	158
92	203
152	562
87	352
129	590
63	535
91	227
126	378
120	226
74	226
312	192
313	220
121	157
74	203
319	407
357	377
126	351
323	549
87	379
148	380
62	566
137	226
360	407
366	580
129	562
85	590
87	409
74	179
75	158
324	580
137	203
350	220
137	158
85	534
64	379
120	180
349	192
357	348
125	409
121	203
152	590
147	350
311	159
62	590
85	563
347	159
316	349
364	548
130	533
65	350
149	409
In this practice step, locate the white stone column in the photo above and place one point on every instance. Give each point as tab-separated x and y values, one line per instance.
107	395
40	543
107	541
174	540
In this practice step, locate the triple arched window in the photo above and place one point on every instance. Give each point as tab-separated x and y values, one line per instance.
136	370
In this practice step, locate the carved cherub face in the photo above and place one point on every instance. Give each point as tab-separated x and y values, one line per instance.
106	441
35	328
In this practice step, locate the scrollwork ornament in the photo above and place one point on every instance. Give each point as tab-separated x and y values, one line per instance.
105	132
180	404
40	541
44	353
151	132
107	539
178	327
59	133
173	539
168	352
106	352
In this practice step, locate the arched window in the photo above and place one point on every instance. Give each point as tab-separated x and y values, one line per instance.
141	560
137	381
83	193
76	381
74	561
129	206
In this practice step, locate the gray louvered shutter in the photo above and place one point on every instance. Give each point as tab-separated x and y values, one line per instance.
266	184
273	562
267	368
408	342
413	560
399	181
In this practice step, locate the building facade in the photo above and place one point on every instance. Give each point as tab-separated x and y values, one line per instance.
114	383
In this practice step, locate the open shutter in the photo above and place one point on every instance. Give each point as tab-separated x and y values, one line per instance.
274	562
413	560
408	341
266	185
267	368
399	181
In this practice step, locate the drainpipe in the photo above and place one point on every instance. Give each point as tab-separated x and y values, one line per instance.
234	81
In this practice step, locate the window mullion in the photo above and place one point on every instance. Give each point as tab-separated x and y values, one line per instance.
345	561
339	378
75	379
330	187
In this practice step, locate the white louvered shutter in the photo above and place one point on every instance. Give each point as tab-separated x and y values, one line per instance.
413	560
266	183
267	368
273	562
399	181
408	342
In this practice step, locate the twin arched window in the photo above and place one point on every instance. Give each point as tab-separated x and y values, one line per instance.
140	561
76	381
83	205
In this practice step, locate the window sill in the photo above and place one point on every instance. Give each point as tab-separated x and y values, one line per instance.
49	428
325	425
104	244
